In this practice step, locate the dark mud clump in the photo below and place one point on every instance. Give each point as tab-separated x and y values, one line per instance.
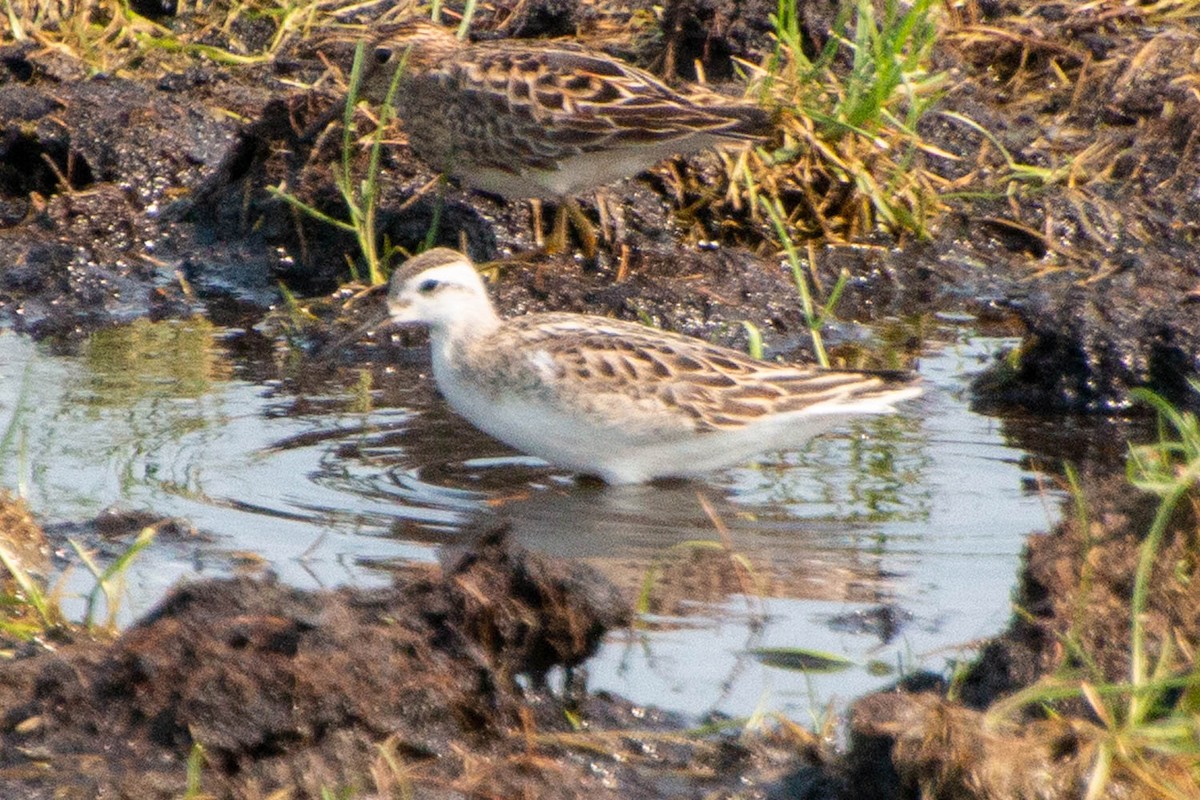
1104	224
1073	627
287	688
436	685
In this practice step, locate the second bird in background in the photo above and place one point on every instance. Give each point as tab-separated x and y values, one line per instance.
542	120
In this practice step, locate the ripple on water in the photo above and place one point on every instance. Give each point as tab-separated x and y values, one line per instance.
916	519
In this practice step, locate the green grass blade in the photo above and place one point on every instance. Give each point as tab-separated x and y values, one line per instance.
802	659
755	347
32	593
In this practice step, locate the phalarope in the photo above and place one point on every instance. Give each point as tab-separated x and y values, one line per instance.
542	120
615	399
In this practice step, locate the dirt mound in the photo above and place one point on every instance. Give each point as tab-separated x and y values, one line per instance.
1074	623
1095	107
287	688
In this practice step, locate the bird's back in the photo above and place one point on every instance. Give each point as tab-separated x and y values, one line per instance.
616	370
536	109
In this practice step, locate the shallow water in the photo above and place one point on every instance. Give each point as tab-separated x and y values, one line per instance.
894	542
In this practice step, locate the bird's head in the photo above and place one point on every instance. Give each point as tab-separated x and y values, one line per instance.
410	47
442	289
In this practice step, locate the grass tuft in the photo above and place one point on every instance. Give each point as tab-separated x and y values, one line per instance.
1169	468
849	157
46	615
110	580
33	611
110	37
1148	734
360	195
814	317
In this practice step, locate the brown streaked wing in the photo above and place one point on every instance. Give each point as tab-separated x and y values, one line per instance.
484	131
718	387
529	139
560	62
620	359
573	89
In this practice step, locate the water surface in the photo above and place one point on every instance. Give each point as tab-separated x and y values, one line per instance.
894	542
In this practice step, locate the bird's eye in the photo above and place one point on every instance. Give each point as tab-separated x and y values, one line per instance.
382	54
428	285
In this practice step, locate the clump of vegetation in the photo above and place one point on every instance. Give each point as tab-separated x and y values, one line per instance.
29	609
111	37
26	608
361	194
849	159
1148	736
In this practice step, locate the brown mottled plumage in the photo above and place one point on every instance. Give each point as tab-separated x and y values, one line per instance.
542	120
620	400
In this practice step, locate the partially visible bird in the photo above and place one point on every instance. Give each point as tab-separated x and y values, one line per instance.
542	120
615	399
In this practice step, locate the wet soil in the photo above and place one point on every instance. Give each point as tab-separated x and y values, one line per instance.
1073	625
292	689
1109	293
125	196
144	192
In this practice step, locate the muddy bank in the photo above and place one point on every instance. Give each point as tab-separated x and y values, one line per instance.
146	194
1103	166
452	683
287	689
1072	630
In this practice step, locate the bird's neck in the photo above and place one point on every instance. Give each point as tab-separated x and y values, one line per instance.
465	331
